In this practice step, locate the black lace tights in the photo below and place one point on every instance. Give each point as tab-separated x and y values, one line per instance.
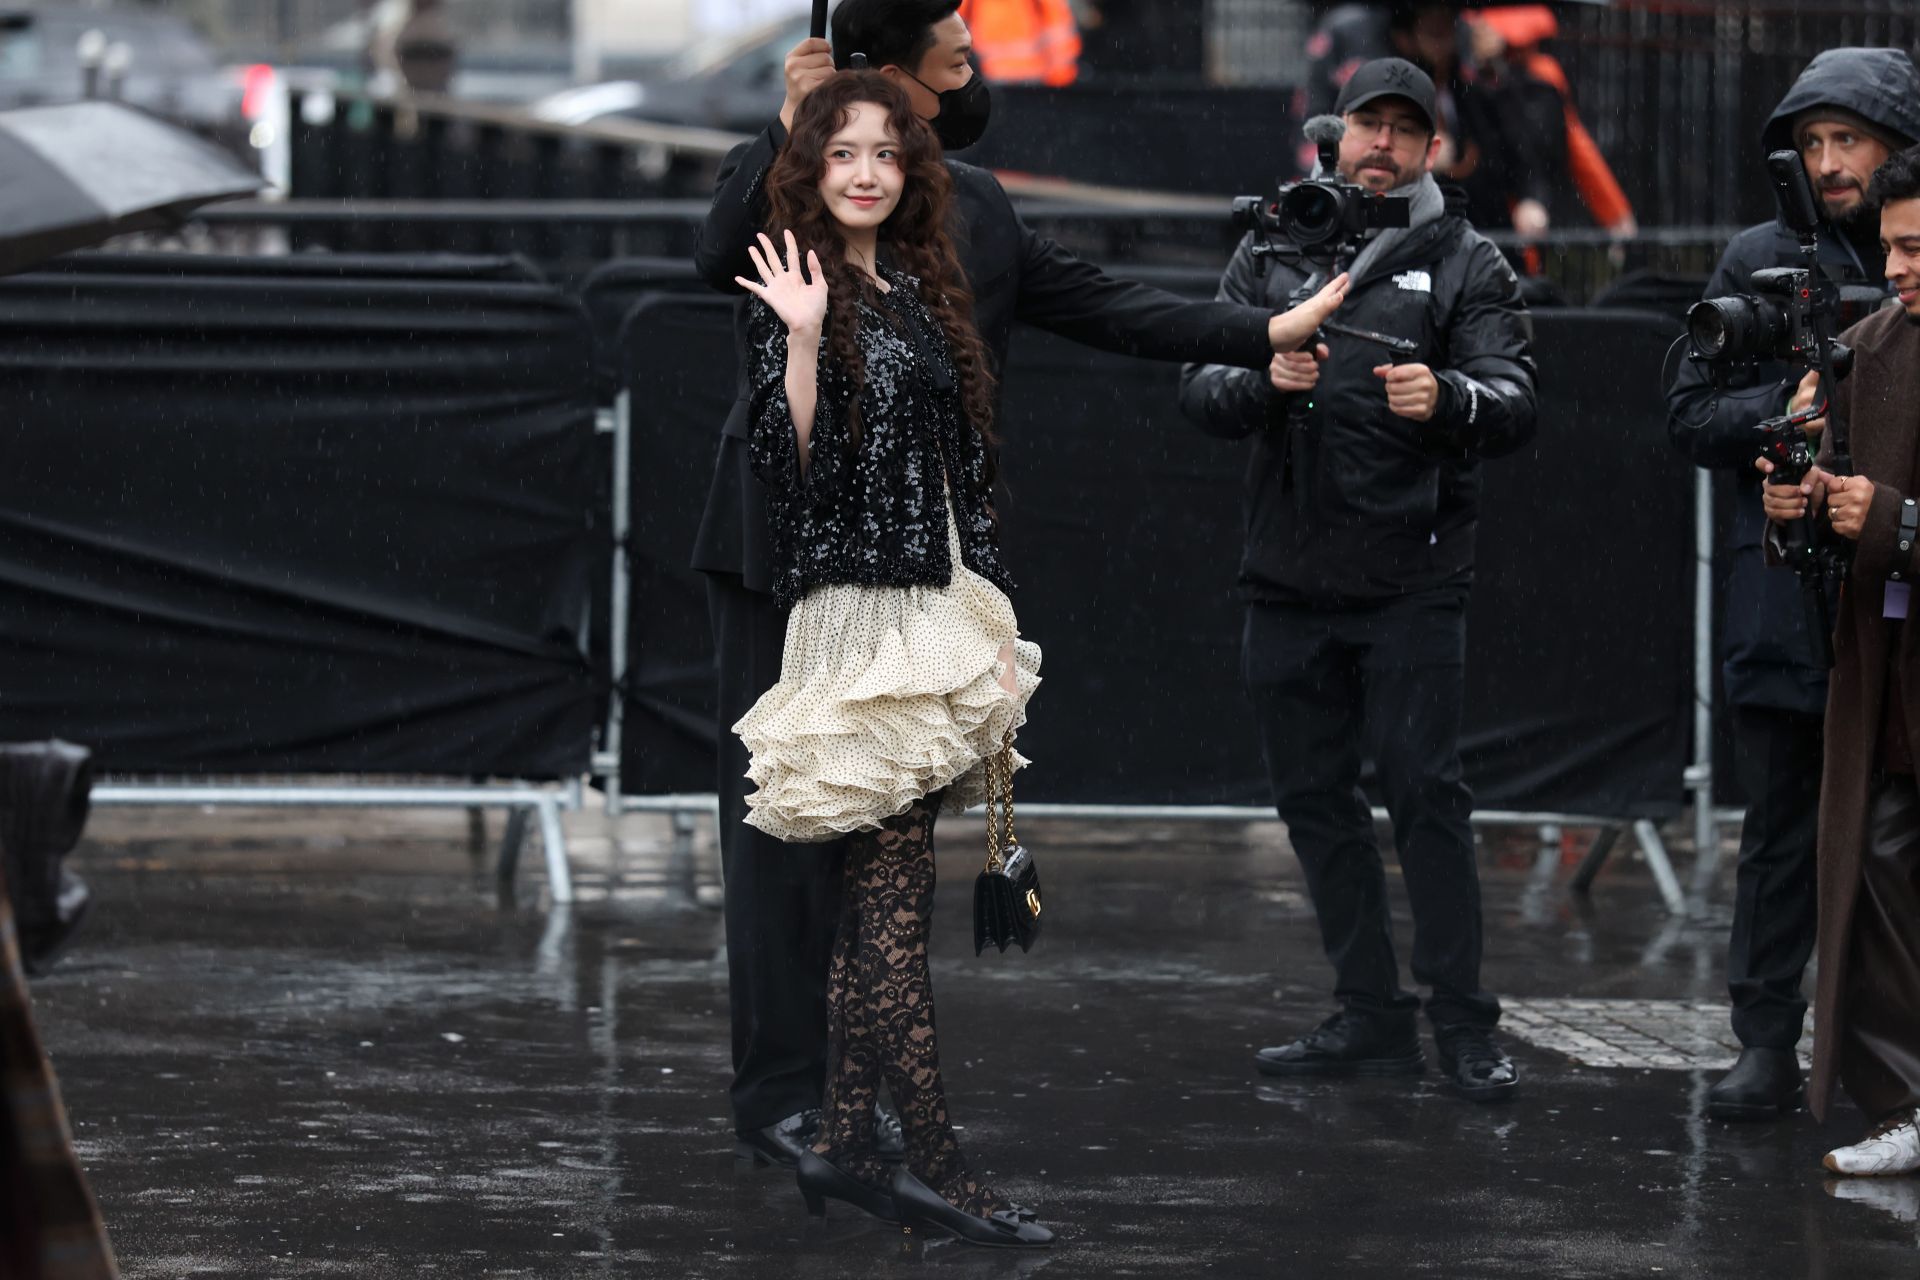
880	1015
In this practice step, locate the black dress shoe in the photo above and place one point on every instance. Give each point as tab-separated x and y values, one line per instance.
1477	1067
889	1139
1763	1085
781	1143
1349	1044
821	1180
924	1210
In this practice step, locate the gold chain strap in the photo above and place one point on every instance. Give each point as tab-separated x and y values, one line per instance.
999	768
1006	786
992	764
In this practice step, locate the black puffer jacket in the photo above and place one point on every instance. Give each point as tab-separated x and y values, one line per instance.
1358	504
1766	646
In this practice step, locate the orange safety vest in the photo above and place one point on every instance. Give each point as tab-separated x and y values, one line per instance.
1030	41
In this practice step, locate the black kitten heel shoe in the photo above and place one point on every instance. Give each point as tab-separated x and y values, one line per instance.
922	1209
822	1180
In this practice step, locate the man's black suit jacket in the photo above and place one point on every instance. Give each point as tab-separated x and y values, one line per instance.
1016	274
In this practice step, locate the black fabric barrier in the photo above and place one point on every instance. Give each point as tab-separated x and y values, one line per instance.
681	368
609	293
612	290
1122	524
311	522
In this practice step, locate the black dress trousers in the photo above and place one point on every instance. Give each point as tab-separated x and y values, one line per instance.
1331	687
782	900
1778	757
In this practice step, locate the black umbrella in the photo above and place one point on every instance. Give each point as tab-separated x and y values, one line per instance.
75	175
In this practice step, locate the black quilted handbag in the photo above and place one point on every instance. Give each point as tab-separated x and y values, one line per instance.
1006	895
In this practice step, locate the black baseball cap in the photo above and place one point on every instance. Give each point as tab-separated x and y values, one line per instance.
1388	78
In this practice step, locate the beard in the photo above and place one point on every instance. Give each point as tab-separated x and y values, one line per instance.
1386	167
1861	212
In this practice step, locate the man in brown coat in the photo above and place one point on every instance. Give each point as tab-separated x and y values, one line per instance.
1867	1002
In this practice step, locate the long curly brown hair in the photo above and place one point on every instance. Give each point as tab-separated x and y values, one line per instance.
914	236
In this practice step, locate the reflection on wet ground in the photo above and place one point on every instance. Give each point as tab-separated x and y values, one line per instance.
320	1046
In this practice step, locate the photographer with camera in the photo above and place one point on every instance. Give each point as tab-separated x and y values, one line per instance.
1846	113
1867	997
1362	501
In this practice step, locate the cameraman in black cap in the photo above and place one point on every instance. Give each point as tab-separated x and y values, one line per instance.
1363	489
1848	111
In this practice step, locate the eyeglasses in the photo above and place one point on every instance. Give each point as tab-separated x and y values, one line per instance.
1368	125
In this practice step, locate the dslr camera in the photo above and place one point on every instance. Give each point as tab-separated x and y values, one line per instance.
1322	219
1794	314
1780	320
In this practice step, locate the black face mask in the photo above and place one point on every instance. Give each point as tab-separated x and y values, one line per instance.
964	112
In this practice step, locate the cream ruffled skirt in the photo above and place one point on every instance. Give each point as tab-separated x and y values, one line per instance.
886	695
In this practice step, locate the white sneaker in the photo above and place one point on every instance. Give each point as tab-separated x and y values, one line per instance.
1892	1148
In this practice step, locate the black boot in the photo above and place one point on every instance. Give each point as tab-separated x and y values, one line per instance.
45	790
1763	1085
1349	1044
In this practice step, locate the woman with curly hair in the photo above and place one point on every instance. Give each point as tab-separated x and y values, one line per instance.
903	672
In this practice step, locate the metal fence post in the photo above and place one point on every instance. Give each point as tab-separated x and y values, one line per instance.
1706	827
620	597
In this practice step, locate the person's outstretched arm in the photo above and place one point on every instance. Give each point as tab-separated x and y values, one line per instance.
1069	296
1228	400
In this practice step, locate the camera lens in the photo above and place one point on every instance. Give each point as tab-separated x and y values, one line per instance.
1720	327
1311	215
1740	328
1709	325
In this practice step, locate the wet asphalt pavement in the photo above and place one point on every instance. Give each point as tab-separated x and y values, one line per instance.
320	1045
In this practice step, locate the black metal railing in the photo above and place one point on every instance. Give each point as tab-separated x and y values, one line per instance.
1676	93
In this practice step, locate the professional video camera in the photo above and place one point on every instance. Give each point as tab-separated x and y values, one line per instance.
1779	320
1794	315
1323	220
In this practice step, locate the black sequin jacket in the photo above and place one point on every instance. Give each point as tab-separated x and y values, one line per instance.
875	516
